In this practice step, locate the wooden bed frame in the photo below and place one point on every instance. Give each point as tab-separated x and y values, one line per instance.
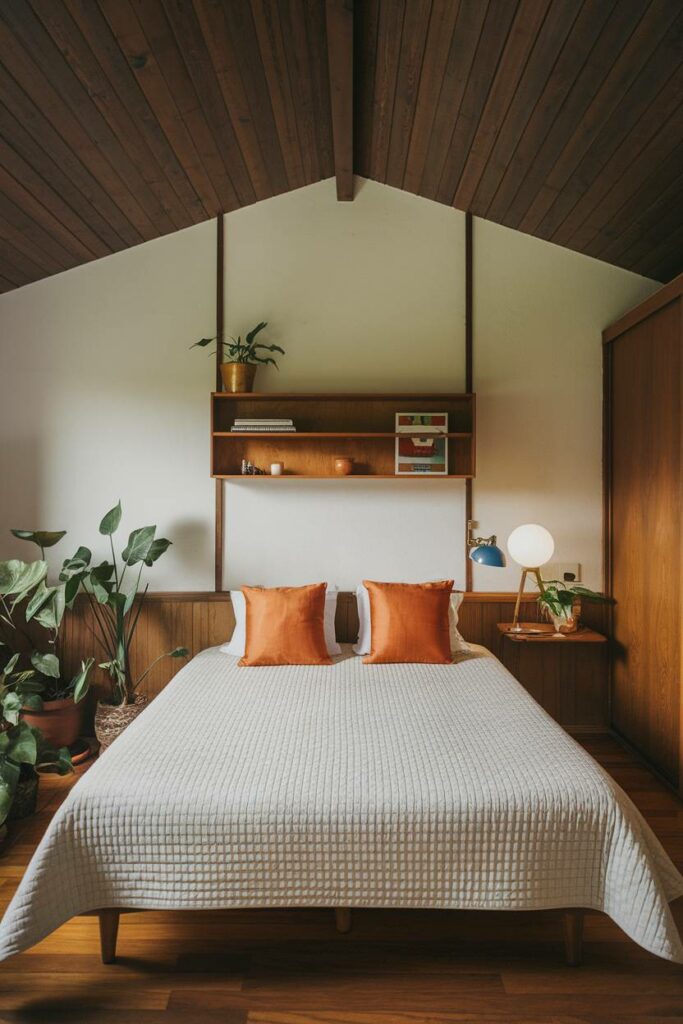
109	930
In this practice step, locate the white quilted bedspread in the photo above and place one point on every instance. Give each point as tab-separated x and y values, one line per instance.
355	785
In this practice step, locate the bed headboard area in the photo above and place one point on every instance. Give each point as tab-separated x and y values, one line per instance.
199	620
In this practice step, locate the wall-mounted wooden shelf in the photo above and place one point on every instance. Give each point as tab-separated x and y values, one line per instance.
330	425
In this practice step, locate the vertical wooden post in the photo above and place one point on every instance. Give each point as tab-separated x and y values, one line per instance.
220	326
573	936
109	930
469	372
342	917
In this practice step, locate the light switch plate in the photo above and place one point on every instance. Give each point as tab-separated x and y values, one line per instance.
558	570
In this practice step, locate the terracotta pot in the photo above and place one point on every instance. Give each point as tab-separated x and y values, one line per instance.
25	795
112	719
238	377
343	465
59	721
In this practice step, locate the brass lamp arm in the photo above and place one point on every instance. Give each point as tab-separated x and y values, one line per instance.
475	542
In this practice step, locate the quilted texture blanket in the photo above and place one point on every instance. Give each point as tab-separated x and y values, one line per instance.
352	785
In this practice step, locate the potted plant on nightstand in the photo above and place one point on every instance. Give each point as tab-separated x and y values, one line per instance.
561	603
239	369
116	602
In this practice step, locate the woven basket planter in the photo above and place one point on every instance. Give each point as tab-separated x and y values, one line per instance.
111	720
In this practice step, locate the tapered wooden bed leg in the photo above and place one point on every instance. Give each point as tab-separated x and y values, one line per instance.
109	929
573	936
343	919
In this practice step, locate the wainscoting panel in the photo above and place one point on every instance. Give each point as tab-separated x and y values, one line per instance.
570	683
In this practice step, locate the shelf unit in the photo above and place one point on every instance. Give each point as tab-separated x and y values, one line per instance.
329	425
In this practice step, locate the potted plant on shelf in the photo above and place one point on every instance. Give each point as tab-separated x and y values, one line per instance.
115	603
560	601
51	699
239	369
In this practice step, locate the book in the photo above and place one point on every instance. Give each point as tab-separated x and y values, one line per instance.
421	422
257	421
261	429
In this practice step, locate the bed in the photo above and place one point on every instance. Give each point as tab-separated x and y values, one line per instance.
441	786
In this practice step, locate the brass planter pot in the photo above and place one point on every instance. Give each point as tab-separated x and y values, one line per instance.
569	622
238	378
112	719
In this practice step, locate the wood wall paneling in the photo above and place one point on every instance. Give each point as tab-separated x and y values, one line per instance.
122	121
570	684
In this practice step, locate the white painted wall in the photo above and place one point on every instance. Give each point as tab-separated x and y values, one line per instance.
100	397
369	295
538	315
363	296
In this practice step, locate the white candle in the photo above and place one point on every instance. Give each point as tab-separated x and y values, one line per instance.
276	468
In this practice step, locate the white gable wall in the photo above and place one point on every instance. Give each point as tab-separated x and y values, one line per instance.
100	396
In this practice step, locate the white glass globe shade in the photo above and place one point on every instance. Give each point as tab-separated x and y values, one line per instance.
531	545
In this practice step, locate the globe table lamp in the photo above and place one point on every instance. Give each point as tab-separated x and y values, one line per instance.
484	550
531	546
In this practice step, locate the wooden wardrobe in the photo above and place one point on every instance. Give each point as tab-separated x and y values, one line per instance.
643	526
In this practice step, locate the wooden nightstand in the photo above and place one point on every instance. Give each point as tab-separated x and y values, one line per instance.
566	673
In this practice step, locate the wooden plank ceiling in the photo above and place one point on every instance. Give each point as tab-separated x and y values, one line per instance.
123	120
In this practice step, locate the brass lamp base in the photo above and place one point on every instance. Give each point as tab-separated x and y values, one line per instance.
516	628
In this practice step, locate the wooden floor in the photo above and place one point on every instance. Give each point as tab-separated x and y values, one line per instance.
291	967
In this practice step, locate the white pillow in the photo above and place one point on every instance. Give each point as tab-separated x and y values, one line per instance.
364	643
237	643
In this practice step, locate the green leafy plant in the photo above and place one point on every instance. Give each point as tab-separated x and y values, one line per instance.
44	605
558	597
246	351
116	600
23	750
19	689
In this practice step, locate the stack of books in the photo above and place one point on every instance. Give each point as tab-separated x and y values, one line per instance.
259	426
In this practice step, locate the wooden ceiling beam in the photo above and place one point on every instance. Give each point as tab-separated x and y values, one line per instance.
340	58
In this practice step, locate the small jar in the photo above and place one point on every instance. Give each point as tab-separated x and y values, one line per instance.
277	468
343	465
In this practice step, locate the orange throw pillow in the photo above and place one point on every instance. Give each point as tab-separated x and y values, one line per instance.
285	626
409	623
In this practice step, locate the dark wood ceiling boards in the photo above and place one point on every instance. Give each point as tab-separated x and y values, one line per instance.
560	118
123	120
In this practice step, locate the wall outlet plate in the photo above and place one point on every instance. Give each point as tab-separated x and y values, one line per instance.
569	572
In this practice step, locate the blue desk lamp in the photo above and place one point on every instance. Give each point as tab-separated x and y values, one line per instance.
484	550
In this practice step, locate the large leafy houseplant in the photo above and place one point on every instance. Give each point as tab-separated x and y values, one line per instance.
116	600
26	593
